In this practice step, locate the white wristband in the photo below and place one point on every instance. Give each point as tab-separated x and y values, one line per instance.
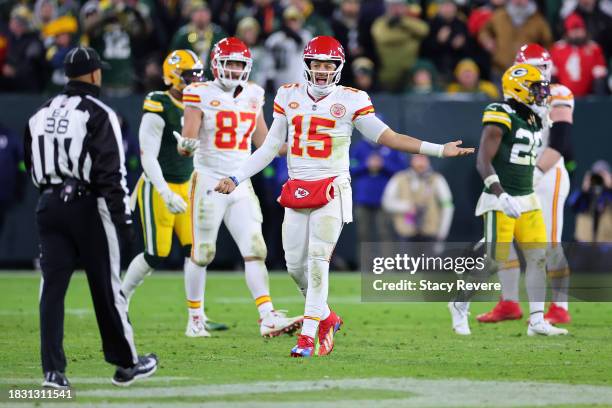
493	178
431	149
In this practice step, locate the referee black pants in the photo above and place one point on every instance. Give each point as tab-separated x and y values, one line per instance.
81	230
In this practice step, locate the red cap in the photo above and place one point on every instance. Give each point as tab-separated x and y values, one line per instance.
574	21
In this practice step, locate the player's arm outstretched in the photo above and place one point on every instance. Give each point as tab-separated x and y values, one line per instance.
261	158
150	136
411	144
260	133
489	145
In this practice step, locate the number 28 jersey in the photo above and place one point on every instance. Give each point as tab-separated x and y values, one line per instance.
522	137
227	126
319	133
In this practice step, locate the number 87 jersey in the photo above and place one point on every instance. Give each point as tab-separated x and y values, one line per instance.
319	133
227	126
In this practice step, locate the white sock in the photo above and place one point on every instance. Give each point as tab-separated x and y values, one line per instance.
195	286
256	275
310	327
535	279
136	272
316	296
509	279
326	312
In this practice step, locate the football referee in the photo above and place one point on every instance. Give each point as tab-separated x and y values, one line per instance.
74	153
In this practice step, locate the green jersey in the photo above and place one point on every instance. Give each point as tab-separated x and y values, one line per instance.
175	168
515	160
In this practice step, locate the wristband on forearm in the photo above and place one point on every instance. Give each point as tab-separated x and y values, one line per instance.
490	180
235	180
431	149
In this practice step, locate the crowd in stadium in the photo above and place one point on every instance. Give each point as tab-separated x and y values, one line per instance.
401	46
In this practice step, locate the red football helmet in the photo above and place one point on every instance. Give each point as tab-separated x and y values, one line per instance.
323	48
230	49
536	55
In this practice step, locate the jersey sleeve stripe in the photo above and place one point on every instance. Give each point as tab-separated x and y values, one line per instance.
363	111
191	98
278	109
486	120
152	106
491	116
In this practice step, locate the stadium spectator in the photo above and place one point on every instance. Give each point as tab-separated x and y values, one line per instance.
420	201
59	40
467	80
284	50
112	28
372	166
597	17
447	42
593	205
268	14
397	38
24	67
364	77
12	171
199	35
518	23
248	30
422	78
579	63
346	28
481	14
313	22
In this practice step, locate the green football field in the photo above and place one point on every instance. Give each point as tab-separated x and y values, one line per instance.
386	355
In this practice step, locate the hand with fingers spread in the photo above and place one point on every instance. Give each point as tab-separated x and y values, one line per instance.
452	149
174	202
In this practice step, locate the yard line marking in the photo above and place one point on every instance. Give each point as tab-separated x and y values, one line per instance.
88	380
427	393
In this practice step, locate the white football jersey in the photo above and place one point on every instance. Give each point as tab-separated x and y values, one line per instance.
560	95
319	133
227	127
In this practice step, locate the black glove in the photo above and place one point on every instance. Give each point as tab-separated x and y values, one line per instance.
127	238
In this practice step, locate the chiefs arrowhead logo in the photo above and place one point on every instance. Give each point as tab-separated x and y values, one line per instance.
301	193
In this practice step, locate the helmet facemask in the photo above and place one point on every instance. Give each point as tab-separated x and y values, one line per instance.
195	74
539	92
231	78
330	78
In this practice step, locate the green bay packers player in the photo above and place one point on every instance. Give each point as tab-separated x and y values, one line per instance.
511	137
163	190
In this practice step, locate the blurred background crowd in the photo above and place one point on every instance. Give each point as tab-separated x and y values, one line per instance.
399	46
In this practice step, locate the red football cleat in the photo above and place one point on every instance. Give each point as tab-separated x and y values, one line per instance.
503	310
327	329
557	315
304	347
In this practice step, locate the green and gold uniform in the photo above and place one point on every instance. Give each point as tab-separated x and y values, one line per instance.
157	221
514	163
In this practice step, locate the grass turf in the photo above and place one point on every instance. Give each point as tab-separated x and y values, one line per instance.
377	340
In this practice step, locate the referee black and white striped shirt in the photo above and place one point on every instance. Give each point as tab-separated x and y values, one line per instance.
75	135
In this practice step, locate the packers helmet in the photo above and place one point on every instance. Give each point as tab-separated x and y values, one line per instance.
526	84
181	67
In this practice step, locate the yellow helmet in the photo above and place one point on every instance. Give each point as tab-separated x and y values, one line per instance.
525	83
182	67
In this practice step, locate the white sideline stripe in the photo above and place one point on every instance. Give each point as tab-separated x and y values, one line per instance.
87	380
427	393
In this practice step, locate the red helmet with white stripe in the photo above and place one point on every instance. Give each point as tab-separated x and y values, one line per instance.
327	49
231	49
536	55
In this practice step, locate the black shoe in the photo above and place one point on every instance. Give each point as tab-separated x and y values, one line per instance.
57	380
145	367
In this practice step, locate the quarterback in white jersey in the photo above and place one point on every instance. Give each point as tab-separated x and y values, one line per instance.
221	118
316	120
551	184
